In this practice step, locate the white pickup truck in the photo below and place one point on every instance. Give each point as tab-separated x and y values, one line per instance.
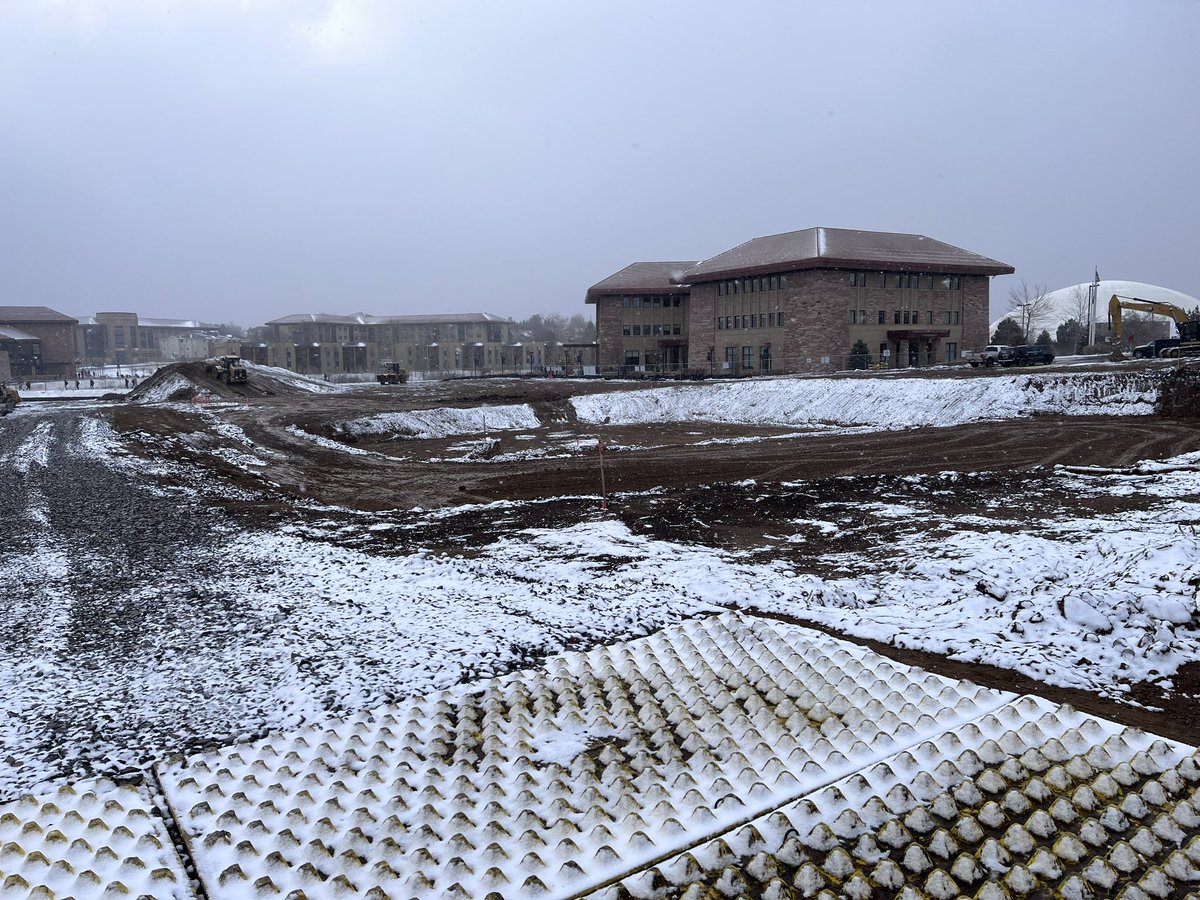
991	355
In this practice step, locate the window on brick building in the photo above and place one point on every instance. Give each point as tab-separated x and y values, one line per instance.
951	351
626	329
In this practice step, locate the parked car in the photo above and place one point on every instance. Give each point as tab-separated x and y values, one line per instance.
1031	354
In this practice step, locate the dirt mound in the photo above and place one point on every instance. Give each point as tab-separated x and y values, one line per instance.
174	383
184	382
1179	396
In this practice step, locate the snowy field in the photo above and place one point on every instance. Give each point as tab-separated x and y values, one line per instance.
274	630
880	403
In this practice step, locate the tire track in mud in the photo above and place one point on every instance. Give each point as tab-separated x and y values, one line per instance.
113	649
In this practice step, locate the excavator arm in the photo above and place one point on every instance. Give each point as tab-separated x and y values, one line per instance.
1136	304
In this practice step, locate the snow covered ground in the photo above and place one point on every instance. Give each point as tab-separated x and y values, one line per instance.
307	628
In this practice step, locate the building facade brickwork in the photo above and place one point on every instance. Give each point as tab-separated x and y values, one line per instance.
975	302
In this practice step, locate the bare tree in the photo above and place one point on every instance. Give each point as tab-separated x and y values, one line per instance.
1078	301
1032	306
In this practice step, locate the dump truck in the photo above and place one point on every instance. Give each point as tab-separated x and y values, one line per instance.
229	369
1186	324
391	373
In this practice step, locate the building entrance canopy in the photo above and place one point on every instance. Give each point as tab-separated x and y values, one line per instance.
907	334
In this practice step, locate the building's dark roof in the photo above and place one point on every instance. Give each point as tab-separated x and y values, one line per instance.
842	248
642	278
15	334
39	314
365	319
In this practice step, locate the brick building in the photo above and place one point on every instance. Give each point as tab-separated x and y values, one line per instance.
40	342
642	317
801	301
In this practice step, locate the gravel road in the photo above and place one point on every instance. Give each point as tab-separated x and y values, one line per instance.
112	646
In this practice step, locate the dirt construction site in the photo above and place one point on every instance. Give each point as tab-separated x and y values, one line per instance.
722	605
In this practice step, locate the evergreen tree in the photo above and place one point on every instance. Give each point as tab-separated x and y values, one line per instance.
860	355
1044	339
1008	332
1071	335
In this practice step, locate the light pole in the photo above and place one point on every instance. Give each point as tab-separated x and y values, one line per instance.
1093	290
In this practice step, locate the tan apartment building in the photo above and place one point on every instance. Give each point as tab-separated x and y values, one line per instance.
801	301
478	343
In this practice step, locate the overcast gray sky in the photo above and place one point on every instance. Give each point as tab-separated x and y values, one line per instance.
238	160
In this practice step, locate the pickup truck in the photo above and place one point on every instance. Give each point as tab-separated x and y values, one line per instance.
991	355
1031	354
1155	348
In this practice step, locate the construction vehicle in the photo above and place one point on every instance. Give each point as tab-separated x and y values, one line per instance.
391	373
9	398
1187	326
229	369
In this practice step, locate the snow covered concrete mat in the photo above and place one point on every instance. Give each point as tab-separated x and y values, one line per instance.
1030	799
92	839
558	780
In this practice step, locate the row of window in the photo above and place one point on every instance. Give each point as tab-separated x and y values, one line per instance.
908	280
903	317
637	300
754	320
751	285
649	330
748	356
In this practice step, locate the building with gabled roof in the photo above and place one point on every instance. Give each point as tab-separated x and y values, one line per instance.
50	353
803	300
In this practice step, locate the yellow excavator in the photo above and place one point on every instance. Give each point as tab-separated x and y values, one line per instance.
1189	328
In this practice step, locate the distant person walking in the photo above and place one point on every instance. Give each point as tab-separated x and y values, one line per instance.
91	382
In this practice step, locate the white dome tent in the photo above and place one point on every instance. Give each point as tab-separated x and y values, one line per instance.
1071	303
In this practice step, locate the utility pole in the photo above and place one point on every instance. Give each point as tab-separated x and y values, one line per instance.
1093	290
